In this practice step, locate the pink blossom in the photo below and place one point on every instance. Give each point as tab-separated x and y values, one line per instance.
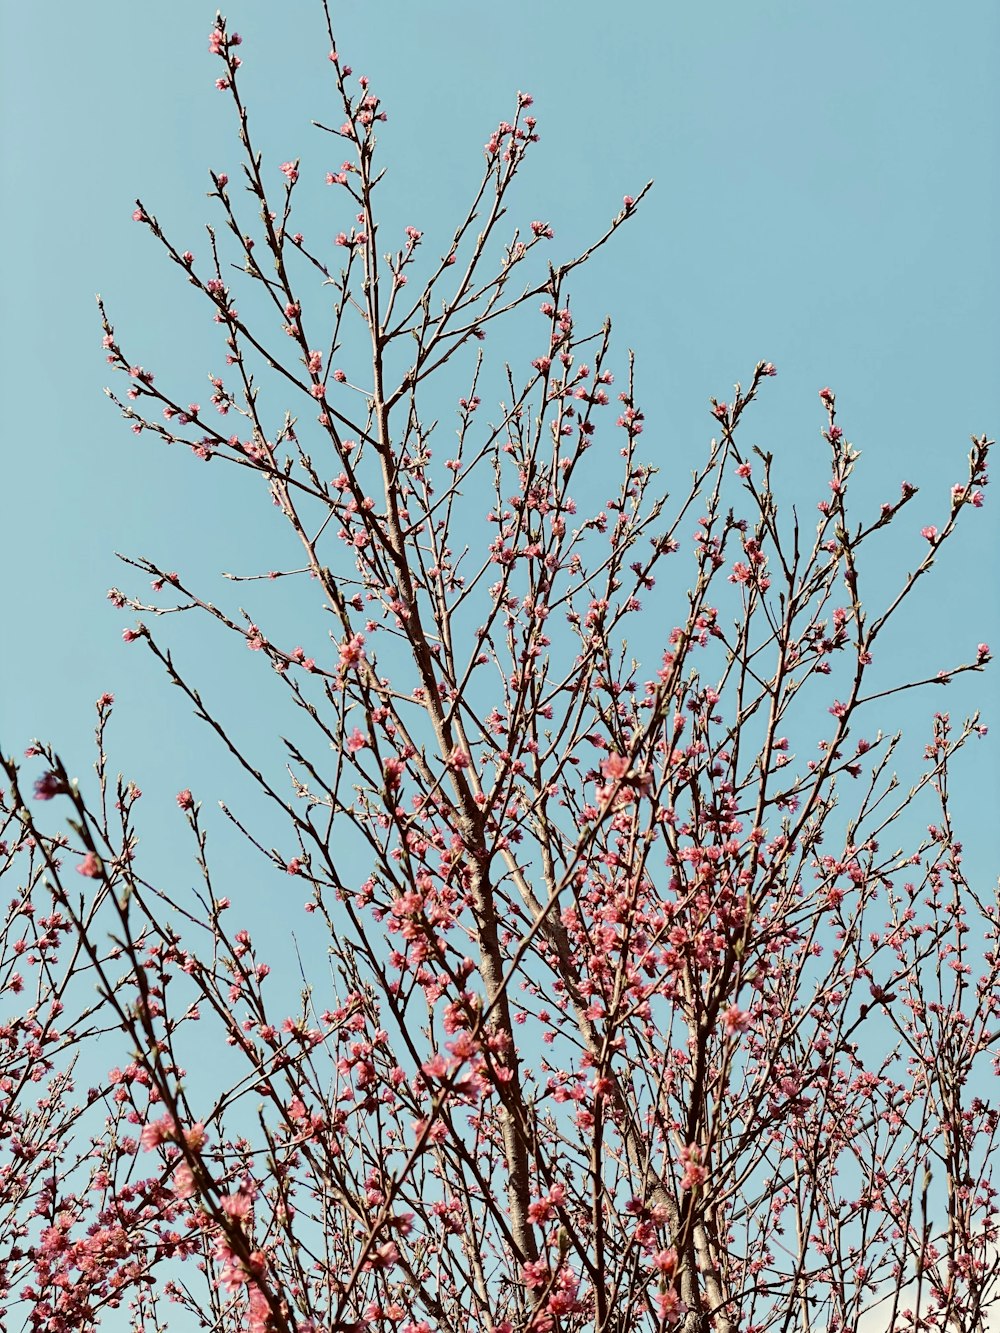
535	1273
437	1066
669	1306
695	1173
90	867
185	800
930	533
615	766
236	1205
735	1020
356	741
982	652
49	785
156	1132
665	1261
184	1182
384	1256
352	651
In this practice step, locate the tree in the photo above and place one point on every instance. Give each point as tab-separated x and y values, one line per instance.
638	1016
78	1226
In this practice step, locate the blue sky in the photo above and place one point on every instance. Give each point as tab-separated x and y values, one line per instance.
826	193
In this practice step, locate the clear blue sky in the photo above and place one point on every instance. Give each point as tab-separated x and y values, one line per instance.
826	198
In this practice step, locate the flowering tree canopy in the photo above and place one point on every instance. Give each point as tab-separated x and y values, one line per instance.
656	999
